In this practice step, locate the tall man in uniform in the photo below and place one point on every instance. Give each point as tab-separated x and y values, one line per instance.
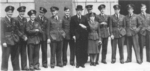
34	31
132	29
21	22
117	31
144	19
89	10
43	23
68	38
104	31
78	26
9	40
56	35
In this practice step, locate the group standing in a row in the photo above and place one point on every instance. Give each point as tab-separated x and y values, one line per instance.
85	34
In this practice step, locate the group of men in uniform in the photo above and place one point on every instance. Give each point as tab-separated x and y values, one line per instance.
19	36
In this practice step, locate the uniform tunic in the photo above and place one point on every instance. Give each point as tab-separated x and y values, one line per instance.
56	34
117	29
9	35
43	21
132	28
144	21
68	40
104	31
21	22
33	42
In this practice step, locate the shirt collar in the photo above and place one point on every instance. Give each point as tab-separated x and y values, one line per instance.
20	17
8	18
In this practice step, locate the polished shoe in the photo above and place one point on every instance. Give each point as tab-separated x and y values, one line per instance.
122	62
25	68
37	68
72	64
104	62
97	63
31	68
113	62
77	66
52	67
91	63
60	65
64	64
45	66
139	62
128	61
82	66
94	64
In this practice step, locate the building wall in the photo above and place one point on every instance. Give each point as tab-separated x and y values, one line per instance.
16	3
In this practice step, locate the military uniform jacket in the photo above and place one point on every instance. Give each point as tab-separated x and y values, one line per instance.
44	25
144	22
33	36
9	31
21	27
76	29
87	16
117	28
55	30
103	28
132	25
66	26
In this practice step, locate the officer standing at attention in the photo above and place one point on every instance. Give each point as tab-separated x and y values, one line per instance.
68	38
9	40
21	22
56	35
117	31
43	21
102	18
144	19
132	28
34	31
89	10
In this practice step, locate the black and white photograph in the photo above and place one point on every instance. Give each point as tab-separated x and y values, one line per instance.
74	35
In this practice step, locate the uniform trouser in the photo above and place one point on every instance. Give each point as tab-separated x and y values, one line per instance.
14	52
72	50
44	52
120	42
148	46
33	53
133	41
23	54
142	41
104	49
56	51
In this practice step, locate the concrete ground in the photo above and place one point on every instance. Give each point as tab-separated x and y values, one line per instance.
133	66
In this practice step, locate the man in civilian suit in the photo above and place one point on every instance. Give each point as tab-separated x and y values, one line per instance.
68	38
43	23
104	31
79	31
